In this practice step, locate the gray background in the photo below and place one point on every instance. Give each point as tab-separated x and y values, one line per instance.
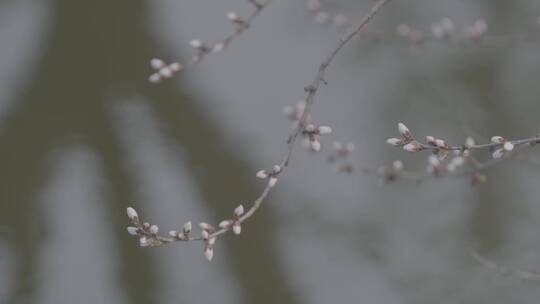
83	135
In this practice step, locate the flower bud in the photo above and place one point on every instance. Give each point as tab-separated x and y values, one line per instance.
208	253
394	141
131	213
325	130
187	227
133	230
238	211
404	131
237	228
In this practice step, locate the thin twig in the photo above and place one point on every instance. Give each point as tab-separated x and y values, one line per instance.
152	239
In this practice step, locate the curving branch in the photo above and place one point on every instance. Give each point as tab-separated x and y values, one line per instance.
149	234
165	70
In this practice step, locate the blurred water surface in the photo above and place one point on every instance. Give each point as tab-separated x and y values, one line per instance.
83	135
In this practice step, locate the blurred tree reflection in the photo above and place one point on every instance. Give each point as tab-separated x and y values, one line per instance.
96	54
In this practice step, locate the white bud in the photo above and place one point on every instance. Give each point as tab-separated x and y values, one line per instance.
205	235
288	110
143	242
316	145
225	224
430	140
434	160
272	181
187	227
205	226
154	229
175	66
277	169
337	145
447	24
237	228
394	141
166	72
261	174
232	16
310	128
325	130
404	131
154	78
322	17
238	211
131	213
440	143
412	147
157	63
498	153
340	20
218	47
132	230
397	165
196	44
211	241
173	233
497	139
208	253
469	142
508	146
458	161
403	30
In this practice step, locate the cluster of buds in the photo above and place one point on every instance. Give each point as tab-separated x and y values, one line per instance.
440	147
209	240
406	140
413	35
146	232
503	146
390	173
436	166
340	155
235	222
442	29
183	234
322	16
312	136
271	176
163	70
477	30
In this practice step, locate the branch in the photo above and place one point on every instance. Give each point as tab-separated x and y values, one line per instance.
164	70
149	234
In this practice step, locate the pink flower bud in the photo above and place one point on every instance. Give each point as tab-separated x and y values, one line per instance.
187	227
395	141
404	131
508	146
154	229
